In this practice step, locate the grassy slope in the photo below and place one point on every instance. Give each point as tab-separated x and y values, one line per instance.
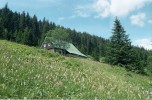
28	72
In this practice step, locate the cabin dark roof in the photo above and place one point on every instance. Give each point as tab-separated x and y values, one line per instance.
69	47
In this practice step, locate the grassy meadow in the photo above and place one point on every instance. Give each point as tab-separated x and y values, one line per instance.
34	73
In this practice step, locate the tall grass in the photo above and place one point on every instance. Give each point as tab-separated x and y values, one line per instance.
32	73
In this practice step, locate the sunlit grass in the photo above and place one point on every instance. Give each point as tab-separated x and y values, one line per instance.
29	72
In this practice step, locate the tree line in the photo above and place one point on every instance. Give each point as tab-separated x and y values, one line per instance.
22	28
25	29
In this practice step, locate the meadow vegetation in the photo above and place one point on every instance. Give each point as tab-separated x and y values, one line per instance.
34	73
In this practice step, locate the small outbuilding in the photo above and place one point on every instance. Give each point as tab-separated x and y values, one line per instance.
61	47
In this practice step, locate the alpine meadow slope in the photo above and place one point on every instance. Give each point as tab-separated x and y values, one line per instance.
33	73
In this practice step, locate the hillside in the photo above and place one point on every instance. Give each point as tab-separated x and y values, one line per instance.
30	72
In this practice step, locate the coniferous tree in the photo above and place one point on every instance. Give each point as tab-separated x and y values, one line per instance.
1	28
18	36
149	62
26	36
16	21
22	21
120	52
35	31
5	33
120	46
139	60
44	29
28	21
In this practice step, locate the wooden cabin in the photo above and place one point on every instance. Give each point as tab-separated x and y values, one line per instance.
62	47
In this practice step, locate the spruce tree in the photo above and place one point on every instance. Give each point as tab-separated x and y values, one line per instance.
26	36
120	46
1	28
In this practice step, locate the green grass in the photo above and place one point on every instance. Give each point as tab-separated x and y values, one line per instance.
32	73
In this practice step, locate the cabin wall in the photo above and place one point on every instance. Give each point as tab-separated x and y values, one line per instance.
48	46
60	51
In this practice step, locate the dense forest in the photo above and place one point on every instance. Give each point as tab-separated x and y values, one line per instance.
29	30
22	28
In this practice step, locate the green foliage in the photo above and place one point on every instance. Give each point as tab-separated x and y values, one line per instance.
26	36
32	73
139	60
149	68
59	34
120	52
120	46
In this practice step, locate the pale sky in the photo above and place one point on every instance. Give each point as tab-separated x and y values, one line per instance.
94	16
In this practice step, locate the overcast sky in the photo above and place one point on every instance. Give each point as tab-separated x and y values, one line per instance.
94	16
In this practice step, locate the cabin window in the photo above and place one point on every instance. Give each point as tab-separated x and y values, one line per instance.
44	45
49	45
